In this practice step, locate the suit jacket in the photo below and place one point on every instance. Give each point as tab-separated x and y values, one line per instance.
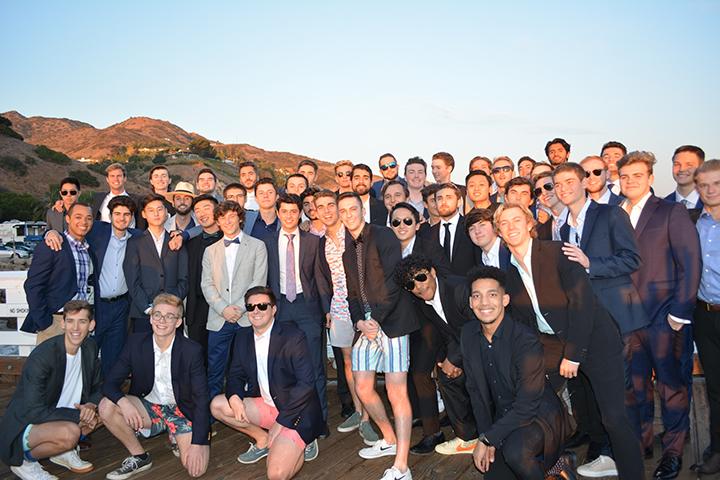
389	305
51	282
376	189
669	277
250	218
291	378
147	275
544	230
378	212
250	270
519	357
567	301
187	369
196	308
308	256
616	200
464	252
673	198
425	247
503	253
36	395
608	240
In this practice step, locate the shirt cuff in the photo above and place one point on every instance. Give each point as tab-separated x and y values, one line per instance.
679	320
147	310
574	363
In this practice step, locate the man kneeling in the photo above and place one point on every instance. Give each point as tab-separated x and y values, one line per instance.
168	392
55	400
271	388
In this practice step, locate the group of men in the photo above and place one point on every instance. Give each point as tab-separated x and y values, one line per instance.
544	309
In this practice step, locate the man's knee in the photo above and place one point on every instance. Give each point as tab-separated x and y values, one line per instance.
218	405
106	408
277	472
67	435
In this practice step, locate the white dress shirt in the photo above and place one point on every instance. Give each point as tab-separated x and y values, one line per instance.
366	209
162	391
577	225
282	254
158	241
492	258
231	252
527	279
105	211
250	201
453	228
605	197
637	209
408	250
436	304
690	201
262	347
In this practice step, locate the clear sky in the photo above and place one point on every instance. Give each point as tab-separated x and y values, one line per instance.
337	80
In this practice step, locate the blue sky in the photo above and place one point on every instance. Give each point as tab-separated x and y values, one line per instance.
337	80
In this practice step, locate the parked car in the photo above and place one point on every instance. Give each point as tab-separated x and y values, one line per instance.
8	252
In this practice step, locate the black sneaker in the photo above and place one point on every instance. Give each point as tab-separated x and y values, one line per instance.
130	466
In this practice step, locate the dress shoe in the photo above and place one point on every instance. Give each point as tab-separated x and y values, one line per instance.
578	439
710	466
427	445
347	411
668	468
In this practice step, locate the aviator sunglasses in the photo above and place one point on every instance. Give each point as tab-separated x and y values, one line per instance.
548	186
65	193
388	166
597	172
419	277
407	221
250	307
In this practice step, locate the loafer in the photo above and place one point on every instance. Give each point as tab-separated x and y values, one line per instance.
668	468
253	454
368	434
312	451
347	410
427	445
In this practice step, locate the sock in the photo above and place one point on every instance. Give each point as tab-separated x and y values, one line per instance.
144	456
29	457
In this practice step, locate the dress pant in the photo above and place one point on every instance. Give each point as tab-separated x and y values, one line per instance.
111	327
668	353
707	339
458	406
218	357
307	316
520	456
421	386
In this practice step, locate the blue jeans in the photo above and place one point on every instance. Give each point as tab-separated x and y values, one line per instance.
218	353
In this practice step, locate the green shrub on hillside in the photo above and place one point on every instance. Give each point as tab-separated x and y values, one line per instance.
50	155
6	129
20	206
86	179
13	165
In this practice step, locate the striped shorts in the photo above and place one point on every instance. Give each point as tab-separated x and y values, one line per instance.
382	354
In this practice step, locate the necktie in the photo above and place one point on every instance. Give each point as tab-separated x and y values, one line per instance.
446	241
290	286
229	242
685	202
359	254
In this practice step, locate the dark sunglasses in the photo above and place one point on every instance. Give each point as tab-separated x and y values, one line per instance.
344	174
506	168
407	221
597	172
65	193
250	307
548	186
419	277
389	165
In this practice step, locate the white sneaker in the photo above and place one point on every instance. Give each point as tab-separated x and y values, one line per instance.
32	471
603	466
380	449
393	473
72	461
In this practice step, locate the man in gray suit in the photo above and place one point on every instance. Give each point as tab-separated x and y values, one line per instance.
229	268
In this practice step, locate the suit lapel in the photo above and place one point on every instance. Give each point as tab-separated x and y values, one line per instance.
536	274
646	214
175	355
148	356
590	216
150	245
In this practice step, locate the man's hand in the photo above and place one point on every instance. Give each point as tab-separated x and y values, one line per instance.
88	412
53	240
574	253
176	240
677	326
328	320
58	206
130	413
232	313
483	456
196	459
449	369
238	408
369	328
568	369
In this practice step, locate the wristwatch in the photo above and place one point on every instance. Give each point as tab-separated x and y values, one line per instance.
482	438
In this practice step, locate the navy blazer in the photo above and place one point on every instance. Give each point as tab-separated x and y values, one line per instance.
308	256
616	200
148	275
673	198
187	369
503	253
378	212
608	240
291	378
669	277
51	282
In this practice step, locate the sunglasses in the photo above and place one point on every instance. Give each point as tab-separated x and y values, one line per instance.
419	277
407	221
250	307
388	166
548	186
343	174
65	193
506	168
597	172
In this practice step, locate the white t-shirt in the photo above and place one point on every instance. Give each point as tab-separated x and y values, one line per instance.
73	383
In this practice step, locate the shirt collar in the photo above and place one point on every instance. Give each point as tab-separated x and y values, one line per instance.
82	244
605	197
495	249
265	334
409	247
581	215
156	347
239	236
526	259
454	220
295	232
436	298
692	197
641	204
157	239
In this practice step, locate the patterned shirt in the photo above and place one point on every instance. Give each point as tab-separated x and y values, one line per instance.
339	307
83	267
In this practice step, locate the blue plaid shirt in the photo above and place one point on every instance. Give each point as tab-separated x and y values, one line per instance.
83	266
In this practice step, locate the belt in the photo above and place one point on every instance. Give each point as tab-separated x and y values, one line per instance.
709	306
115	299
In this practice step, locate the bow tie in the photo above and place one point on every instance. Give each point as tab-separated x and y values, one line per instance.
229	242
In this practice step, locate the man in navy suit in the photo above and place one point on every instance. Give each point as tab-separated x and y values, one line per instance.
389	169
685	160
151	266
601	239
491	252
55	277
667	283
596	185
292	257
168	392
271	392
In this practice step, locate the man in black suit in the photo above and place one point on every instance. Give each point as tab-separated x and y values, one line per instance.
150	266
168	392
667	282
450	233
553	295
55	401
491	251
384	318
197	307
375	211
435	300
601	239
521	421
271	392
116	178
292	257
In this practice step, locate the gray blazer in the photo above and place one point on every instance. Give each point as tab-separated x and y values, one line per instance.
250	271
